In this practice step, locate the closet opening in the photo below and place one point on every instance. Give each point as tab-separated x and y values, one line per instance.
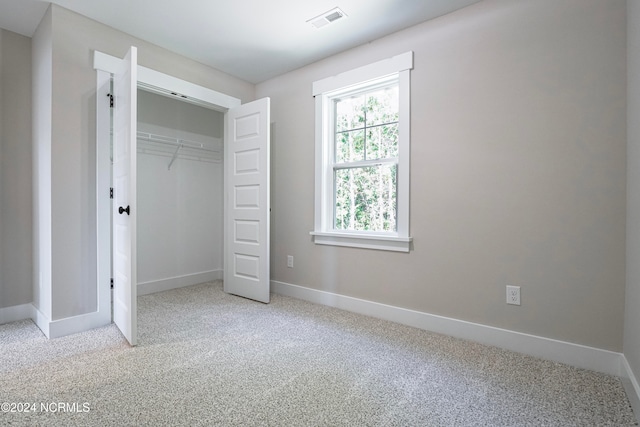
226	145
239	162
179	169
179	193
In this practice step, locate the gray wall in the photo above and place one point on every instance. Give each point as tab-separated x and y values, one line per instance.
518	147
15	170
72	144
632	310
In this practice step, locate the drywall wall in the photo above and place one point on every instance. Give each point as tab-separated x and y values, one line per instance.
15	170
4	289
42	103
181	117
72	248
518	148
180	210
632	300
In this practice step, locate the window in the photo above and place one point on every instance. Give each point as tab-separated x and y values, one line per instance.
365	158
362	157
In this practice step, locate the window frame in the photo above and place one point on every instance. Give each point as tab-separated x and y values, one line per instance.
325	90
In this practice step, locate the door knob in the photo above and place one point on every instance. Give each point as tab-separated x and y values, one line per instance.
121	210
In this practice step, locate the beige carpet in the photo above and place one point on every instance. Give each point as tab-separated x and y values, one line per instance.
208	358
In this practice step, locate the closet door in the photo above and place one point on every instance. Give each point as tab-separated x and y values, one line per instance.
246	254
125	83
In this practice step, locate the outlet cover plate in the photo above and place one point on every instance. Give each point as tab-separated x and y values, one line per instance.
513	295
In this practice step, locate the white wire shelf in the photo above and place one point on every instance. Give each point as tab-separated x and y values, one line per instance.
177	148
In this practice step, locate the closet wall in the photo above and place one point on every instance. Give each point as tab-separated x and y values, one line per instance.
180	209
15	174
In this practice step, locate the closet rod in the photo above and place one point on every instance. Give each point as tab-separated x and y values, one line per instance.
173	141
193	149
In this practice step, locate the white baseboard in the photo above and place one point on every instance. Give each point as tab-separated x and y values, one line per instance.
631	386
581	356
42	321
15	313
76	324
178	282
70	325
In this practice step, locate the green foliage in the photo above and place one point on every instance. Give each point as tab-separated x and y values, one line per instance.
366	129
366	198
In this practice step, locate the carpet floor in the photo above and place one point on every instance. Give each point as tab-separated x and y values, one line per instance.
206	358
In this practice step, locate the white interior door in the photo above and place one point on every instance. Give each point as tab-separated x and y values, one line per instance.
247	210
125	83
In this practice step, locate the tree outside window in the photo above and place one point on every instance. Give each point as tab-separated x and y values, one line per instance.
366	160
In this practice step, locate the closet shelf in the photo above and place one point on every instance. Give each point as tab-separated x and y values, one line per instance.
176	148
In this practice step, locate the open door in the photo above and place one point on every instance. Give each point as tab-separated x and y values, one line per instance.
247	205
125	83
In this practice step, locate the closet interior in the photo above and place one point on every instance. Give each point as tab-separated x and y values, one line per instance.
180	193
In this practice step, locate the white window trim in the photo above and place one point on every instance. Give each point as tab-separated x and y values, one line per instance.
323	233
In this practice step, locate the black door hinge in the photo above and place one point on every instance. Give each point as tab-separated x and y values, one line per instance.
110	100
111	283
111	193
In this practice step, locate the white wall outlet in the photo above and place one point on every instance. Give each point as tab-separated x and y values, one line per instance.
513	295
290	261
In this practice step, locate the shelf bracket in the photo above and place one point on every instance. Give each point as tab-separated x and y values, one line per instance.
175	155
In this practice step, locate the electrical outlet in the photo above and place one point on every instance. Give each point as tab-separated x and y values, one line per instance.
290	261
513	295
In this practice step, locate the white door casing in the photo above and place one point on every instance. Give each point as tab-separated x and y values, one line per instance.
103	202
125	83
247	201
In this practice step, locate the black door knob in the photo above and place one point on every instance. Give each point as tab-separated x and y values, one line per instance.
121	210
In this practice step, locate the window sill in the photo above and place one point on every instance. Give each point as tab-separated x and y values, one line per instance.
379	242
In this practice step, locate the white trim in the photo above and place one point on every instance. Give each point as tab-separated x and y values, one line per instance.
404	159
69	325
153	286
157	82
386	243
103	202
395	64
16	312
631	386
41	321
322	171
73	325
581	356
104	62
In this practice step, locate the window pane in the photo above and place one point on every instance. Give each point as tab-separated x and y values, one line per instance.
383	106
350	146
382	142
365	198
350	113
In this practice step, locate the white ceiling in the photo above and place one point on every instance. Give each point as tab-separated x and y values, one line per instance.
250	39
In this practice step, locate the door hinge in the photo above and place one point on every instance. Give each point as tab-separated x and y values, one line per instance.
111	283
110	100
111	193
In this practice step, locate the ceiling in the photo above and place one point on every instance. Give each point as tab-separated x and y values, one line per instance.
251	39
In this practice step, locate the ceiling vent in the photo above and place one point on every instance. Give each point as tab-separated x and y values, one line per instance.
327	18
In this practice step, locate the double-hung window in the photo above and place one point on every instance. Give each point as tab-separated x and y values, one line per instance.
362	156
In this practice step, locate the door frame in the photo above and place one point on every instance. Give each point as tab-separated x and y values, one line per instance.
151	81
